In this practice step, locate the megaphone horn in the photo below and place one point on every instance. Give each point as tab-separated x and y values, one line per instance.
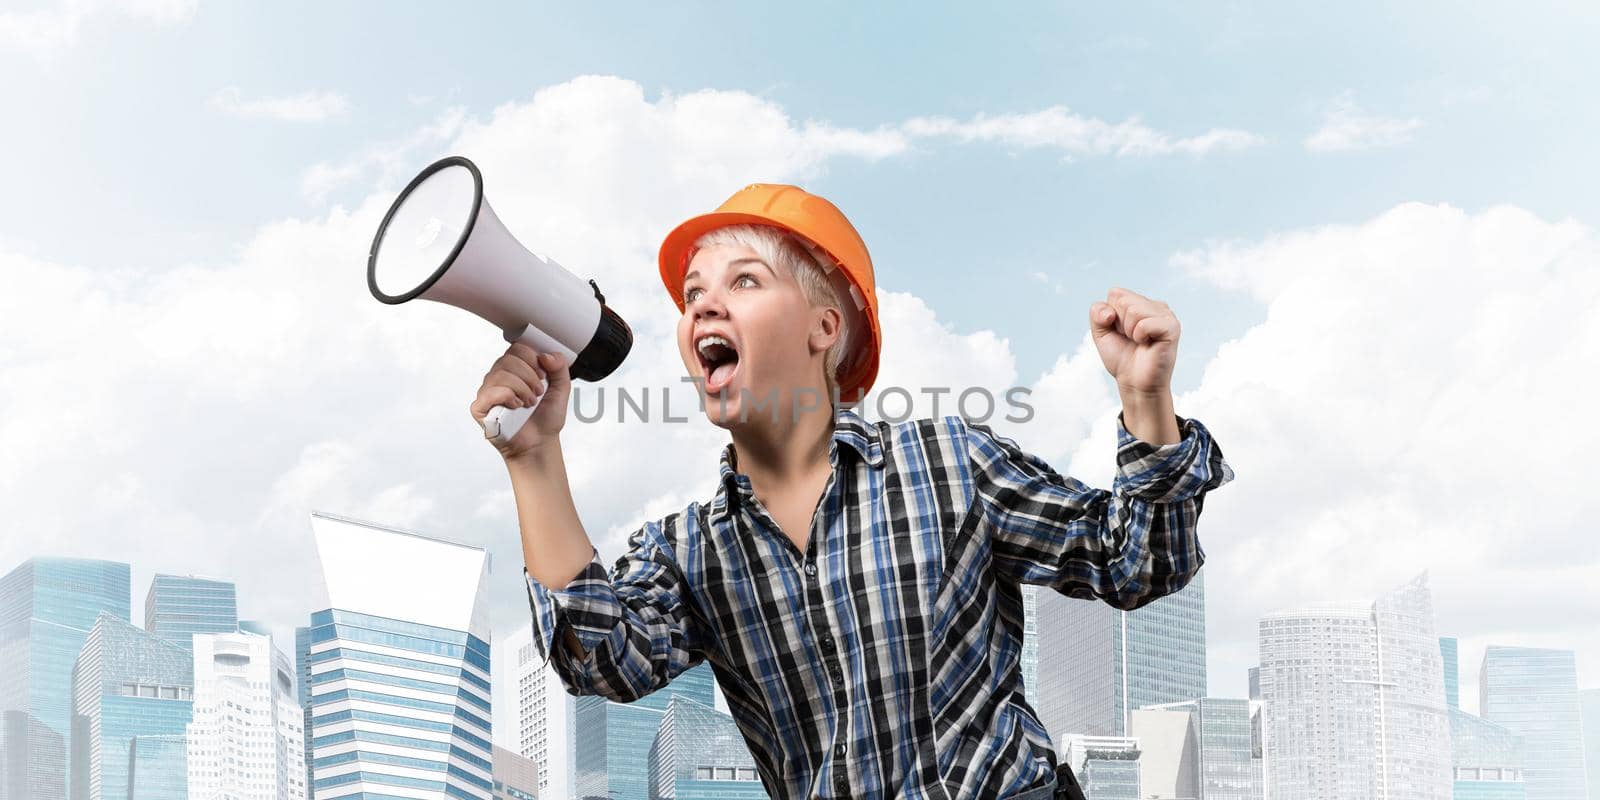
442	241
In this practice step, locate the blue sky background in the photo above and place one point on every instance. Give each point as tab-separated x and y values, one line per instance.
117	135
135	168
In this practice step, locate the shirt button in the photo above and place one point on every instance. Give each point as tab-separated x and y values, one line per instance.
841	785
827	643
838	678
811	569
839	751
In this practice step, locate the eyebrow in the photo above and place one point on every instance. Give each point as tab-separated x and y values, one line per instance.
734	263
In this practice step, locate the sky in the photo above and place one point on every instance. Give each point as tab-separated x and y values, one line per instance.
1375	222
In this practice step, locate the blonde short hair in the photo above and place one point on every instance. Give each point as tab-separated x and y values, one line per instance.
786	252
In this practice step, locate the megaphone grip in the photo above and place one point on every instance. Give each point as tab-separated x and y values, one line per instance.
501	424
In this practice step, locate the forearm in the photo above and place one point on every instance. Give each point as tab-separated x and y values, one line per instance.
555	547
1150	417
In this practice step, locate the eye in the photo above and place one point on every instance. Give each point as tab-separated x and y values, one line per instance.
745	276
690	294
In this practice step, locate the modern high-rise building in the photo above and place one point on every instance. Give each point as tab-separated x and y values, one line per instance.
535	713
612	742
515	777
127	682
158	767
1098	663
179	606
1353	698
302	675
1590	700
47	606
1107	767
1198	749
1030	644
699	754
1449	650
399	666
1487	759
1533	692
22	735
247	739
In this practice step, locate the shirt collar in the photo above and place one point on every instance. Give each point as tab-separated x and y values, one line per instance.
849	429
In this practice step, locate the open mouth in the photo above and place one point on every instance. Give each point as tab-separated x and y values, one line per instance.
719	359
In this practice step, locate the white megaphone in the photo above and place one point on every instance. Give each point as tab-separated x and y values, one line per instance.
441	241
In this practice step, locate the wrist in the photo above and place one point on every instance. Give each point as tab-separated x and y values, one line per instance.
1150	417
539	458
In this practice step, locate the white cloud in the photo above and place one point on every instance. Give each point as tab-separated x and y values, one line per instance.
1347	127
303	107
1076	135
43	32
1415	399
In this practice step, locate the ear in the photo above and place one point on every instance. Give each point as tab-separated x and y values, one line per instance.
825	328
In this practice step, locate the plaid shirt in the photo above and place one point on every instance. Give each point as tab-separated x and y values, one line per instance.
884	659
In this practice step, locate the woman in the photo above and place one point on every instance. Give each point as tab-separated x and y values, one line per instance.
854	585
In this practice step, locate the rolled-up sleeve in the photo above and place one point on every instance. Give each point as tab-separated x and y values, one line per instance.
1128	546
633	623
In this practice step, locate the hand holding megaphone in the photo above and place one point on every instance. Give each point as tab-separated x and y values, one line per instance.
442	241
532	391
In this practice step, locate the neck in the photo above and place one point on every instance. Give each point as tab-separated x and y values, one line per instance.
777	452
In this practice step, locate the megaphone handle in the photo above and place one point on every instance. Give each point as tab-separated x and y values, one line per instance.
501	424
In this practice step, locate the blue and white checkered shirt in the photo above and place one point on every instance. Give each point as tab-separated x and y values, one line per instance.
883	661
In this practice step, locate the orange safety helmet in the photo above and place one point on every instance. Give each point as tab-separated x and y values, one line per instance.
820	226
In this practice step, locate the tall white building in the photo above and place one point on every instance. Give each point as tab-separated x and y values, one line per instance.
535	713
1353	701
246	741
398	663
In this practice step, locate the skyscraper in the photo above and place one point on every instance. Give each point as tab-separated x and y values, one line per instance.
1449	650
1098	663
1216	758
179	606
1488	760
612	741
515	777
246	741
1030	644
127	682
1533	692
158	767
699	754
47	606
1353	698
534	713
1590	700
399	665
1107	767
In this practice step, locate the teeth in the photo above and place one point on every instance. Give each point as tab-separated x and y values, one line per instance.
711	340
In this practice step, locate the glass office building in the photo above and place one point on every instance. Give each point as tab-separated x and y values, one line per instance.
1487	759
1097	663
157	768
126	683
47	606
1449	650
1107	767
613	739
699	754
1206	752
179	606
1590	701
1533	692
1353	700
399	666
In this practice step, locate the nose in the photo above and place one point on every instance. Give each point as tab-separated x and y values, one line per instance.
707	305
